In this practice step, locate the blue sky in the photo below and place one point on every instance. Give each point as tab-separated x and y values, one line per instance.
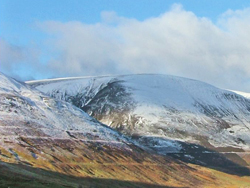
18	18
205	40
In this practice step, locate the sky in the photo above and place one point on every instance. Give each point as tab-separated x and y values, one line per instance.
207	40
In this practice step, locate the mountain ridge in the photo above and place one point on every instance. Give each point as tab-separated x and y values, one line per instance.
174	116
48	142
175	94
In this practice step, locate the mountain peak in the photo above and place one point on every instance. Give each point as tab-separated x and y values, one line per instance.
165	106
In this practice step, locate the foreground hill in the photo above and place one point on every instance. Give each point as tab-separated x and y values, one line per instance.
50	143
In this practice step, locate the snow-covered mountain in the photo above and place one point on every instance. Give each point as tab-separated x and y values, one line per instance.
32	123
37	131
25	110
161	111
50	142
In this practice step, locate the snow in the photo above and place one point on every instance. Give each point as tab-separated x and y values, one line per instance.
28	112
189	156
173	91
166	106
244	94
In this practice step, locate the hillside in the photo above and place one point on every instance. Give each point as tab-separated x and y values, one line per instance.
47	142
170	115
162	106
50	143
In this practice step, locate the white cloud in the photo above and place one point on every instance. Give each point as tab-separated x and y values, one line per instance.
18	61
176	42
9	55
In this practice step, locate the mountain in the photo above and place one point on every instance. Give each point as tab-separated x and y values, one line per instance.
47	142
168	114
159	105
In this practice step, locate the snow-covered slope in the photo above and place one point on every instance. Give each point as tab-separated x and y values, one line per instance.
159	110
50	134
26	112
42	132
244	94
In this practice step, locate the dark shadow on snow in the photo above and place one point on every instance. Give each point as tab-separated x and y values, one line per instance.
228	162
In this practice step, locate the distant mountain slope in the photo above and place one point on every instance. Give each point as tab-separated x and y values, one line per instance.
244	94
29	110
37	131
161	110
50	143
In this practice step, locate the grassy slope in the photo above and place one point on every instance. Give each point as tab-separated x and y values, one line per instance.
73	163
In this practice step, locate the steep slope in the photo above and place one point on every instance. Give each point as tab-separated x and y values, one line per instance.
29	113
244	94
166	113
50	143
160	105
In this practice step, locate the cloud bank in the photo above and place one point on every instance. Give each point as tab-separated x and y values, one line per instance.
18	61
176	42
10	55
